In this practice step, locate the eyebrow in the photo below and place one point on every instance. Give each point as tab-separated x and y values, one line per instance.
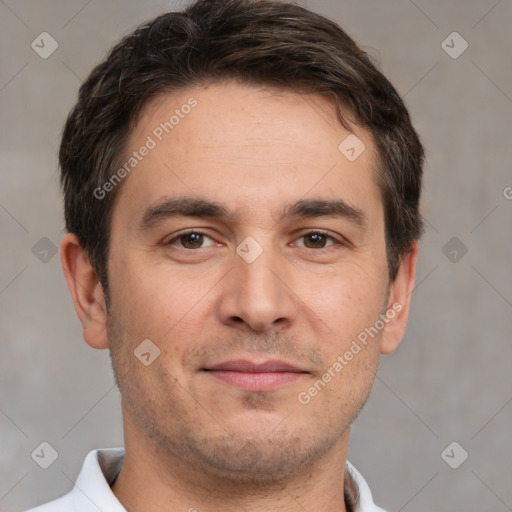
169	207
325	208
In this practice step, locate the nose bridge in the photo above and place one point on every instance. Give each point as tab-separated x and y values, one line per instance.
257	267
257	293
260	276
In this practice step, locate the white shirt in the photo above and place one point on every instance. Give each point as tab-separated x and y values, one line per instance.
92	488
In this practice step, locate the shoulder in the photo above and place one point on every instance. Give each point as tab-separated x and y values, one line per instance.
92	488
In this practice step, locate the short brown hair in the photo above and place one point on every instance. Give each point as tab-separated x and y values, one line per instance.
261	42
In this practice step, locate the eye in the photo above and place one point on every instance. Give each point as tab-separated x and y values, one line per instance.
317	240
190	240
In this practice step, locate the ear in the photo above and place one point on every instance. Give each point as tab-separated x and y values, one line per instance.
86	291
399	301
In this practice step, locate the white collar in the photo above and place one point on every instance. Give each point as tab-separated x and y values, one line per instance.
100	469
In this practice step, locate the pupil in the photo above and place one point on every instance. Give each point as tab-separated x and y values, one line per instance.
193	239
316	239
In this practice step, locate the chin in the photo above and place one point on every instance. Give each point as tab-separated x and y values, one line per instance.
261	460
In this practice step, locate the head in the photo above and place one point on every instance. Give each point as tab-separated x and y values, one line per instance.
212	209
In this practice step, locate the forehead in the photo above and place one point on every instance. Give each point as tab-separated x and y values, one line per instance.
250	146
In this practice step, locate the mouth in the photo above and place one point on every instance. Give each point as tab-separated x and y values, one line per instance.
251	376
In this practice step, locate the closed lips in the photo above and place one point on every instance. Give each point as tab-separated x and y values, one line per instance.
249	367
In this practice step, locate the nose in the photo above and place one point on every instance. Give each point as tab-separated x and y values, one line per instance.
258	295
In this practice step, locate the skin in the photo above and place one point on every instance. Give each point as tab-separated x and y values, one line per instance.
192	440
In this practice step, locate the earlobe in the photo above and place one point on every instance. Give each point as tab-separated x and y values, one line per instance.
86	291
400	301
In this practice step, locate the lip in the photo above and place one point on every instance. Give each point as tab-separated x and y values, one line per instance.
246	366
252	376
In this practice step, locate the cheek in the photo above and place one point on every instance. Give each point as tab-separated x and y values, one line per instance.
155	299
348	306
346	300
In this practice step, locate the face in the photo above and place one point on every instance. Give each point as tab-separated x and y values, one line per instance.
251	252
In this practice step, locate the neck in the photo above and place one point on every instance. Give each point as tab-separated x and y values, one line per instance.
152	479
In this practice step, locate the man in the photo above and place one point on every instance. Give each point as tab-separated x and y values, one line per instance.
241	194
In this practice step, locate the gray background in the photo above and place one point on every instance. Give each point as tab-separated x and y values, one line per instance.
450	380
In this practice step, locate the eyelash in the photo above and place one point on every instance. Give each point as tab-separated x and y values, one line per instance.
335	241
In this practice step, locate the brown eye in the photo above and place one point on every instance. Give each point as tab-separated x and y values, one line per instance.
191	240
317	240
